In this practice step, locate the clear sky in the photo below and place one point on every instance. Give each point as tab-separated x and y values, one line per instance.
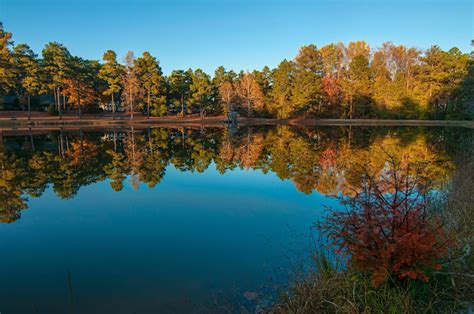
241	34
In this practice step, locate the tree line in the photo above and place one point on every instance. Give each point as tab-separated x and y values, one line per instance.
334	81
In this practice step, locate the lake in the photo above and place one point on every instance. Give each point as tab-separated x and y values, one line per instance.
136	219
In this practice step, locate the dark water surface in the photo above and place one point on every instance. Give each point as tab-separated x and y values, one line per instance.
179	220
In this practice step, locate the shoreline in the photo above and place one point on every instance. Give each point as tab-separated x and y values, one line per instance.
91	120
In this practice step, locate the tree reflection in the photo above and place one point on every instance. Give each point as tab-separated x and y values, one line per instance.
318	159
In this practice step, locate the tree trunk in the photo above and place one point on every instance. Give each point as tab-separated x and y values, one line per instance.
113	107
81	134
148	105
31	140
182	106
59	104
29	107
131	107
55	98
78	100
149	141
115	140
350	108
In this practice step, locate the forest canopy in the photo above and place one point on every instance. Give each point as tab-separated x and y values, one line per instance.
338	80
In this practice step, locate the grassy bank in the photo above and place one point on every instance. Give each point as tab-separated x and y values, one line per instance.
419	277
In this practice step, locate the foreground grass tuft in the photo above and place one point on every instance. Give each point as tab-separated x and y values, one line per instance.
327	290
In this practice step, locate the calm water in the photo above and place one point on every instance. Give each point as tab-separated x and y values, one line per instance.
179	220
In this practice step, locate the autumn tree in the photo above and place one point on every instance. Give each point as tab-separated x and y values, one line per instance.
131	82
81	87
7	76
333	59
264	81
356	48
224	82
226	95
249	91
111	73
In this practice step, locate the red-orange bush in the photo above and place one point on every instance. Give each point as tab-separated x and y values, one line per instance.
385	228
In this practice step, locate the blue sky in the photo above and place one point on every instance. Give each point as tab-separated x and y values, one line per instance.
241	34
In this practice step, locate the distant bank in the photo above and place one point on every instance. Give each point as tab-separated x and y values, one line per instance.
19	120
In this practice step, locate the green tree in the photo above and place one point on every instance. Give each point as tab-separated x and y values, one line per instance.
357	85
438	76
307	86
28	78
283	80
111	73
221	75
264	80
56	66
151	79
180	87
463	96
202	92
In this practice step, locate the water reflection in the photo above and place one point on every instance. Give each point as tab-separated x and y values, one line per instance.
320	159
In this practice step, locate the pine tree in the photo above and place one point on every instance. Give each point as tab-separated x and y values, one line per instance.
111	72
27	71
201	91
151	79
56	66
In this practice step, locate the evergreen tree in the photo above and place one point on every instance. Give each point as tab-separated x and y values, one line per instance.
111	73
152	81
282	89
180	87
28	76
307	89
56	66
201	92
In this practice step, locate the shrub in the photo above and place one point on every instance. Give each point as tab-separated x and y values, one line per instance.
385	229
